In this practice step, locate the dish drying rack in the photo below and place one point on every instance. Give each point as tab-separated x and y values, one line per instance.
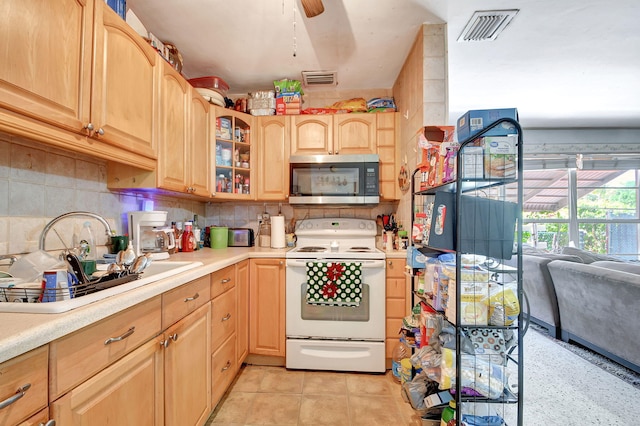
24	294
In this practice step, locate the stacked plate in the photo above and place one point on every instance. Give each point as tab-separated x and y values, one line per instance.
211	96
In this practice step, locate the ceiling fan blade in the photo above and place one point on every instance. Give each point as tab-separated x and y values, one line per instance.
312	7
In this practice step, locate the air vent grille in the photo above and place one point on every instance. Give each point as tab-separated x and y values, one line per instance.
487	25
319	78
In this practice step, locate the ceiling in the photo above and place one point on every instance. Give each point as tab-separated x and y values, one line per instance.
574	63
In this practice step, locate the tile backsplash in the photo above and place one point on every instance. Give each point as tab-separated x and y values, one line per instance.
39	183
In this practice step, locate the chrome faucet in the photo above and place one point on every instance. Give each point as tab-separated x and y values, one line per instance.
11	258
48	226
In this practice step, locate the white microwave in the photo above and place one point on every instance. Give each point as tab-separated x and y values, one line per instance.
334	179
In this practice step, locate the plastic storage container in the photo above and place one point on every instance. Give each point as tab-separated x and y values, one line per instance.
211	82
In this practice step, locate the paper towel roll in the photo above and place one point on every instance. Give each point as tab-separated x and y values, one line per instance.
277	232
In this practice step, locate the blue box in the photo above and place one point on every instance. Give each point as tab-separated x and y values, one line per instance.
472	122
119	6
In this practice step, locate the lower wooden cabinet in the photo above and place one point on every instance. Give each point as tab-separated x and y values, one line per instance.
397	292
187	373
223	368
267	307
39	419
27	374
129	392
242	323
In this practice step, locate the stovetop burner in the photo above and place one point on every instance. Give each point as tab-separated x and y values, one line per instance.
312	249
359	250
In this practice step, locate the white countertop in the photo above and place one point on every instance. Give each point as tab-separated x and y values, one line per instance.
20	333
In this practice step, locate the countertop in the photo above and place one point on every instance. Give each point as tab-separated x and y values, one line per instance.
21	332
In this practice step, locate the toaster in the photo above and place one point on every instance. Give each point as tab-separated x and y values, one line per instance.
240	237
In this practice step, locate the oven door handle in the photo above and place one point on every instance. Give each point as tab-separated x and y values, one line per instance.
366	263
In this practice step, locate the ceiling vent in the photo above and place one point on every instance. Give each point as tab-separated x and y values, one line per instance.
320	78
487	25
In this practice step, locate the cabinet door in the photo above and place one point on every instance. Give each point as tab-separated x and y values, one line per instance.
242	323
128	392
125	84
45	60
39	419
27	369
187	370
354	134
267	307
312	135
396	301
200	164
273	158
172	146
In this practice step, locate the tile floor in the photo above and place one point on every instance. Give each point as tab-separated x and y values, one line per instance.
264	395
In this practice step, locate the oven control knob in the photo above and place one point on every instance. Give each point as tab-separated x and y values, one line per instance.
362	225
369	226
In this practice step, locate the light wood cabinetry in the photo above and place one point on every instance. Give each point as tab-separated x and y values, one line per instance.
397	297
235	157
39	419
333	134
83	97
224	368
24	375
187	371
183	300
267	307
386	149
129	392
354	133
242	323
273	157
78	356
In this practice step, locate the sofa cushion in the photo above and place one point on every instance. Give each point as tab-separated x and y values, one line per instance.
619	266
587	256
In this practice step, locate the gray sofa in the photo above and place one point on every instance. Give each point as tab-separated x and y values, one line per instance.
598	307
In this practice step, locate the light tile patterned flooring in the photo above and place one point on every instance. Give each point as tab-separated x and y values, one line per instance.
264	395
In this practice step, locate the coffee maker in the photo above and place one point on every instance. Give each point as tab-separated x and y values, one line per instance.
150	233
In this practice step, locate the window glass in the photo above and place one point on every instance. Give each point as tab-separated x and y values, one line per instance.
607	194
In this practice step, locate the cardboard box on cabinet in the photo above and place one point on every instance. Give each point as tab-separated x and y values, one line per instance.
288	103
473	121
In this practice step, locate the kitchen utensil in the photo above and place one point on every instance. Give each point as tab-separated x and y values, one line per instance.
76	267
139	264
128	257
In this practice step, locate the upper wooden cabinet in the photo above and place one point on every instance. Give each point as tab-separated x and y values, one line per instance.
386	150
333	134
78	67
273	158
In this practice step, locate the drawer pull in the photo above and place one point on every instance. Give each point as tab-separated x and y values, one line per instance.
174	337
226	318
126	334
165	343
194	297
225	280
49	423
19	394
226	367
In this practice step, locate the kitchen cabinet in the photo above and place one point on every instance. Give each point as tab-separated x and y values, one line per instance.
273	157
78	356
242	323
184	154
129	392
386	150
397	303
187	369
39	419
235	159
78	94
267	307
26	375
333	134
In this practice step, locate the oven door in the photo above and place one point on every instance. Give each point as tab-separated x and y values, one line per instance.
365	322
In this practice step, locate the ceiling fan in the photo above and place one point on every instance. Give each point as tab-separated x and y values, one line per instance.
312	7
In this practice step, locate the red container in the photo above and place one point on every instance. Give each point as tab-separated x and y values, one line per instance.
211	82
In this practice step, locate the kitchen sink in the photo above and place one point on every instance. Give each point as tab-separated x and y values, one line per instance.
156	271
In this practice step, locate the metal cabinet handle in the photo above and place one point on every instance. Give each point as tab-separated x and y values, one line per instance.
389	262
225	280
226	318
100	132
194	297
19	394
281	262
49	423
226	367
165	343
174	337
126	334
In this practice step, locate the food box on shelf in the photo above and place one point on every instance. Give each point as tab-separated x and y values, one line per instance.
288	103
223	128
473	307
473	121
500	156
472	162
433	143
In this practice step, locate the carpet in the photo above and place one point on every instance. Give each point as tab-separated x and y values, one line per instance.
594	358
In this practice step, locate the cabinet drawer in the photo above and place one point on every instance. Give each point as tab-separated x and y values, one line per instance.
78	356
181	301
223	369
396	308
223	317
396	268
27	370
39	419
223	280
